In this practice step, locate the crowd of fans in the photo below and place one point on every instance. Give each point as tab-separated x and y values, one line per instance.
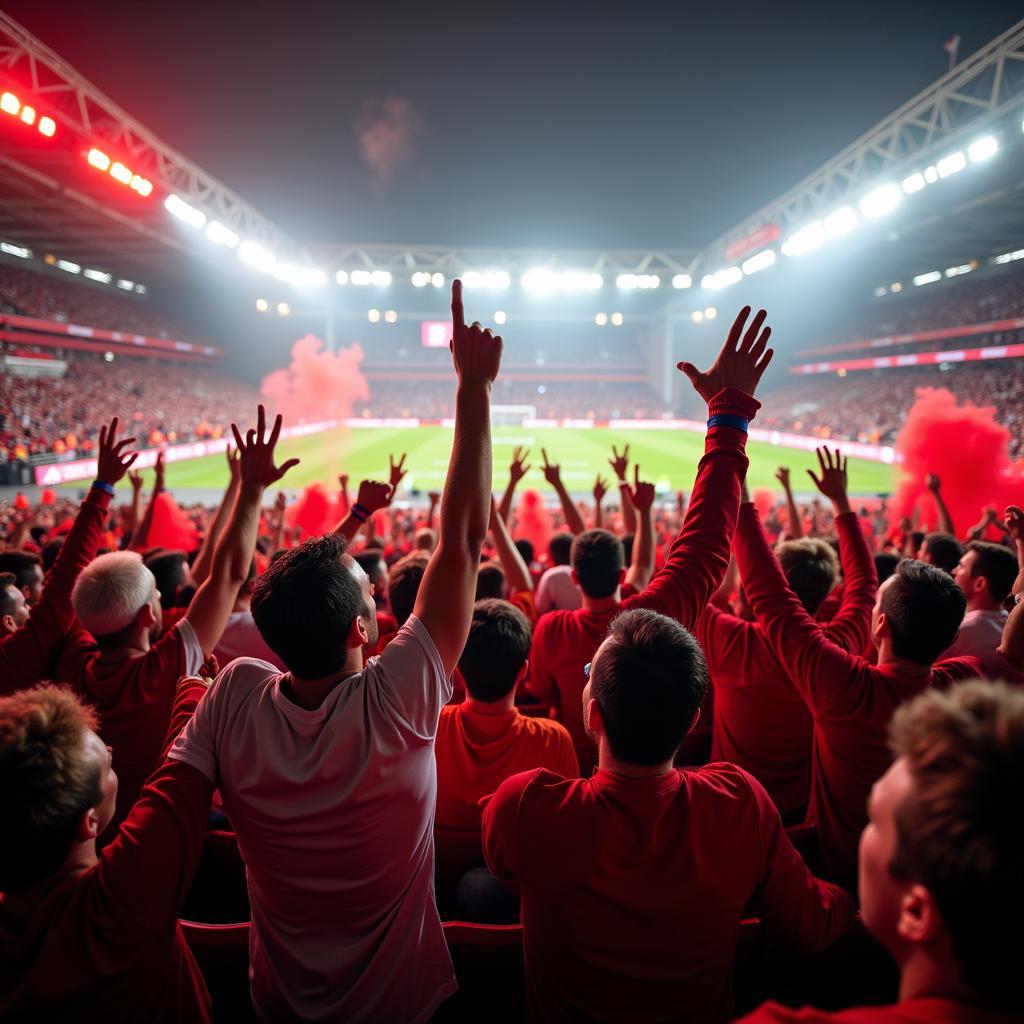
664	757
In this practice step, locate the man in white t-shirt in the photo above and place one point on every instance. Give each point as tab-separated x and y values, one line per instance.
327	771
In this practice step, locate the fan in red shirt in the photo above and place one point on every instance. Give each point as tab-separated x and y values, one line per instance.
760	720
915	618
942	864
87	936
564	641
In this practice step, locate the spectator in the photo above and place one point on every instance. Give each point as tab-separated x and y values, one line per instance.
942	550
556	590
27	568
14	610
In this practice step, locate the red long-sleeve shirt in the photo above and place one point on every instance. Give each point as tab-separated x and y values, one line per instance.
850	700
922	1010
633	889
564	641
760	720
29	654
105	945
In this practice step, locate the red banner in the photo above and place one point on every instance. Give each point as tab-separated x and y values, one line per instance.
935	334
757	239
960	355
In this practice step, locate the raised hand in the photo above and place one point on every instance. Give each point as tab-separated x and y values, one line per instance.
435	497
1013	520
256	453
782	475
281	502
374	495
234	463
476	351
518	468
619	463
158	469
112	462
641	493
933	483
600	489
741	362
343	481
135	479
552	471
832	482
397	472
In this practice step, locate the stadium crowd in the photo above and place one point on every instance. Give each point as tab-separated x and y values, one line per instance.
693	772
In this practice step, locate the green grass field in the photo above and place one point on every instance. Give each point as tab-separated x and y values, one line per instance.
669	458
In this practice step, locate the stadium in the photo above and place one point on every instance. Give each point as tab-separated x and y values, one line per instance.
136	283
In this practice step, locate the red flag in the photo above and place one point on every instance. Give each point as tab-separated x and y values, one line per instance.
952	44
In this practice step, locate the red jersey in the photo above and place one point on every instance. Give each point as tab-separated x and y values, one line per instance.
564	641
911	1011
760	720
105	945
633	889
850	700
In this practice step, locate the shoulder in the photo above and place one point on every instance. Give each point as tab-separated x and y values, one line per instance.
775	1013
727	784
241	679
544	728
953	669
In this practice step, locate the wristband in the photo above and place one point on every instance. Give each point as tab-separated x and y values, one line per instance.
102	485
361	512
726	420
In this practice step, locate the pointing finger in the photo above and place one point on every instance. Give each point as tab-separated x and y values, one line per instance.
458	313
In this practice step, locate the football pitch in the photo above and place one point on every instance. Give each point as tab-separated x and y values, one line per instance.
666	457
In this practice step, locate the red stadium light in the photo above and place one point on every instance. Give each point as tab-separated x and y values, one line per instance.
47	127
118	171
28	115
10	104
98	159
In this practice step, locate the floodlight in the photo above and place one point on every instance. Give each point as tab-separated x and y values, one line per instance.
760	261
601	319
373	316
1009	257
121	173
98	159
951	164
880	291
616	319
256	256
722	278
804	240
220	234
9	103
931	175
125	285
391	316
177	206
283	309
360	277
840	222
983	148
437	280
697	316
626	281
71	268
895	287
881	201
964	268
28	115
930	278
420	279
16	250
292	273
682	281
499	316
380	277
97	275
494	279
710	313
47	127
262	305
341	277
914	183
140	289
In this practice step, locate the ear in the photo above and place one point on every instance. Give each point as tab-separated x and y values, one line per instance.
88	826
882	627
595	723
358	634
523	671
919	920
147	619
7	624
693	724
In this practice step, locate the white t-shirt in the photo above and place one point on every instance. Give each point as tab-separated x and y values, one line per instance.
981	633
334	812
557	592
241	639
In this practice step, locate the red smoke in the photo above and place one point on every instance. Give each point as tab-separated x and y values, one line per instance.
534	521
314	512
968	450
764	501
317	385
171	527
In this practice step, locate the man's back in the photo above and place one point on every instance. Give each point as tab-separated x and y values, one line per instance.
633	888
333	809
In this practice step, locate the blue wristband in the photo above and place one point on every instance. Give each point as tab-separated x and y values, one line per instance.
725	420
104	486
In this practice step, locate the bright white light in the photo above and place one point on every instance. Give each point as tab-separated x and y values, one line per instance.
601	319
98	159
880	291
710	313
493	279
391	316
373	316
626	281
15	250
292	273
806	239
380	277
840	222
499	316
616	319
697	316
964	268
1009	257
283	309
262	305
184	211
9	103
930	278
881	201
71	268
108	357
121	173
28	115
759	261
341	277
952	164
97	275
544	281
983	148
420	279
914	183
256	256
895	287
682	281
931	175
220	234
361	277
47	127
141	289
631	281
722	278
437	280
125	284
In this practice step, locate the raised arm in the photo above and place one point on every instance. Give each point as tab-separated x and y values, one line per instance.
620	466
208	613
204	560
372	497
26	655
135	479
140	541
600	490
516	571
280	507
988	518
346	504
794	527
445	601
700	553
1012	646
553	475
641	498
934	484
516	471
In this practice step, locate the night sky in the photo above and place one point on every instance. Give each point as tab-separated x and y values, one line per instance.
549	124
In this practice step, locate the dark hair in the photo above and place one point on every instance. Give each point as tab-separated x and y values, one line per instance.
649	680
304	604
811	569
50	553
7	580
628	540
943	550
496	648
21	564
370	560
996	564
526	550
924	608
597	560
490	581
560	548
955	832
169	569
404	584
885	565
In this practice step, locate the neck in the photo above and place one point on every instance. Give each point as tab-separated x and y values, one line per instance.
80	858
924	976
601	604
309	694
135	648
910	669
492	707
982	603
608	762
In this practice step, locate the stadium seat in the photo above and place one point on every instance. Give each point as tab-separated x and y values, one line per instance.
222	952
455	852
